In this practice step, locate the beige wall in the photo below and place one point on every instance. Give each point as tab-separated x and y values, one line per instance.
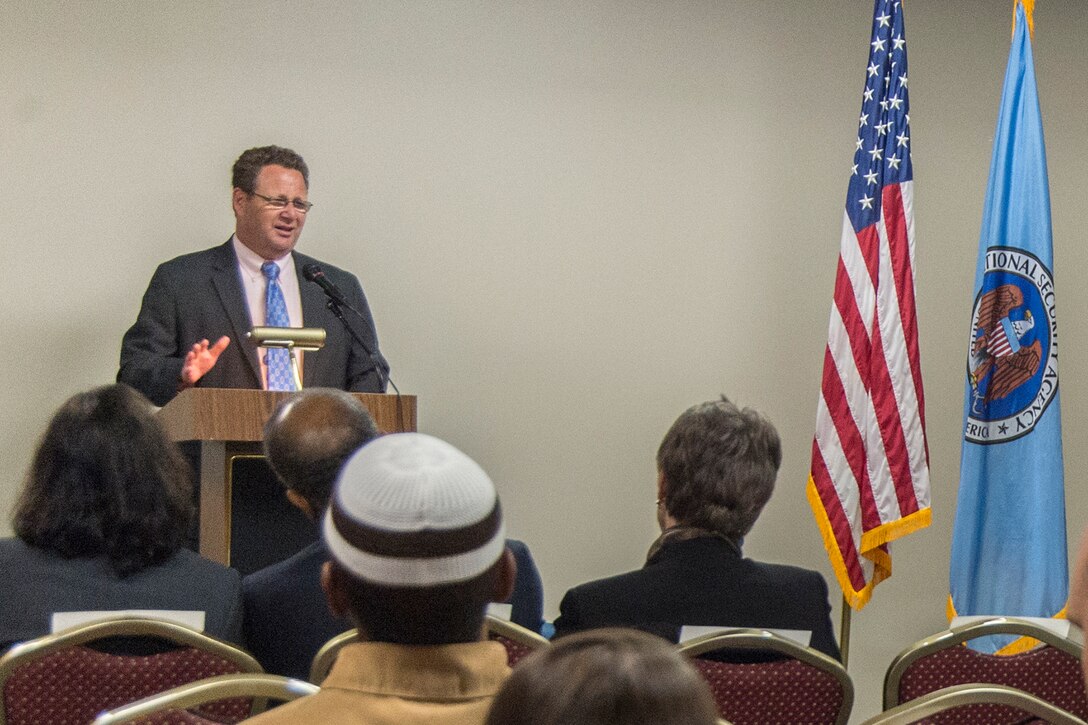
573	219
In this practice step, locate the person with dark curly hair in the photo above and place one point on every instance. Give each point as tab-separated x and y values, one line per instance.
716	469
101	523
605	677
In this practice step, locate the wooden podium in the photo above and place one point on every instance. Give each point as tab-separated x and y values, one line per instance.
230	422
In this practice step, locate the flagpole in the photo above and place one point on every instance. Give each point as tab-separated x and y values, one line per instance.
844	632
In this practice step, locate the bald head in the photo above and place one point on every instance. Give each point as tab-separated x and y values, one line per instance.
310	435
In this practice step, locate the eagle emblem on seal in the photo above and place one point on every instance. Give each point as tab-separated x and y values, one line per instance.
1000	361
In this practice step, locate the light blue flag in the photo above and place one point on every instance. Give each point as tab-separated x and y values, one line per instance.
1008	544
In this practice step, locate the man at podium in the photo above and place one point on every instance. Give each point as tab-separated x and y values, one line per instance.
192	325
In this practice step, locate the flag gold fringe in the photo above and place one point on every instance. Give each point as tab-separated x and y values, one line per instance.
882	563
1029	13
896	529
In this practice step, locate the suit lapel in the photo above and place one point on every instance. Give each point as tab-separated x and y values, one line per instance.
229	288
313	315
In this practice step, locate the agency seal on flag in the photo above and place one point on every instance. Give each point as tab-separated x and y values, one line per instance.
1012	364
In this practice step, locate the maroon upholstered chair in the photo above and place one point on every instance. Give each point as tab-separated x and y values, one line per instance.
518	641
967	699
1051	671
59	679
801	687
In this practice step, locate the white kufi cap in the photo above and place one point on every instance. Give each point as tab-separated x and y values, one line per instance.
410	510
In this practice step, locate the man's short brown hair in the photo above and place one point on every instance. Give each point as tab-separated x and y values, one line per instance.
249	165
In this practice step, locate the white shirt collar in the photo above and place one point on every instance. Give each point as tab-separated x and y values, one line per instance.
251	262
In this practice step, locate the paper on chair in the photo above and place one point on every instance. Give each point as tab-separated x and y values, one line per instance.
800	636
190	619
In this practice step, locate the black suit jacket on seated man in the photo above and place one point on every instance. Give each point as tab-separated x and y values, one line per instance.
287	618
703	581
199	296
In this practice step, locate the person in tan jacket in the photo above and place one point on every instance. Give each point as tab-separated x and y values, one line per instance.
418	550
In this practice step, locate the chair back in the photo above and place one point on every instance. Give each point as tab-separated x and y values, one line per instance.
58	679
323	660
1051	671
820	691
174	705
518	641
976	703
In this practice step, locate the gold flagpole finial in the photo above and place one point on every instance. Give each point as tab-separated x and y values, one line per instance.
1029	13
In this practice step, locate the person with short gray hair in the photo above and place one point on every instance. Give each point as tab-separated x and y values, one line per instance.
716	471
723	462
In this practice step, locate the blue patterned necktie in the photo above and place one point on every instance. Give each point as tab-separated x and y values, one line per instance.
277	359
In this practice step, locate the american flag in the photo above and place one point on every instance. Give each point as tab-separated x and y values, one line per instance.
869	480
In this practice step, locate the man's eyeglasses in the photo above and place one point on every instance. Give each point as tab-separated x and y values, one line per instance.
279	202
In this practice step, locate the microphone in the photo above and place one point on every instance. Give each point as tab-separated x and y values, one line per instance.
314	273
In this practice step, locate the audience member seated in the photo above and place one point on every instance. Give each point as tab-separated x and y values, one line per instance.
306	441
287	620
605	677
101	522
416	539
716	470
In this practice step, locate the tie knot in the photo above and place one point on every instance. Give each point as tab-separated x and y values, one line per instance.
271	270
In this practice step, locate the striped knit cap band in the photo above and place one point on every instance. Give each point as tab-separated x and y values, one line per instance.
410	510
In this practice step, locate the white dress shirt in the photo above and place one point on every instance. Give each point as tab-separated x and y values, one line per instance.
254	285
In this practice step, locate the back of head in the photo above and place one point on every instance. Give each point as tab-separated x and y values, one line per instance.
605	677
106	481
719	465
417	541
310	435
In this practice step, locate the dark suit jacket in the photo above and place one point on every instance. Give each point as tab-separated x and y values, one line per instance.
287	619
703	581
527	599
41	583
200	295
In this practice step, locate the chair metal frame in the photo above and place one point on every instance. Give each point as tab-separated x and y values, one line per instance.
323	660
32	650
514	632
948	698
964	633
761	639
257	687
326	656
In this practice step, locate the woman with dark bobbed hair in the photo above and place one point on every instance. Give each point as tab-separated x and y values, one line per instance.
101	522
605	677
